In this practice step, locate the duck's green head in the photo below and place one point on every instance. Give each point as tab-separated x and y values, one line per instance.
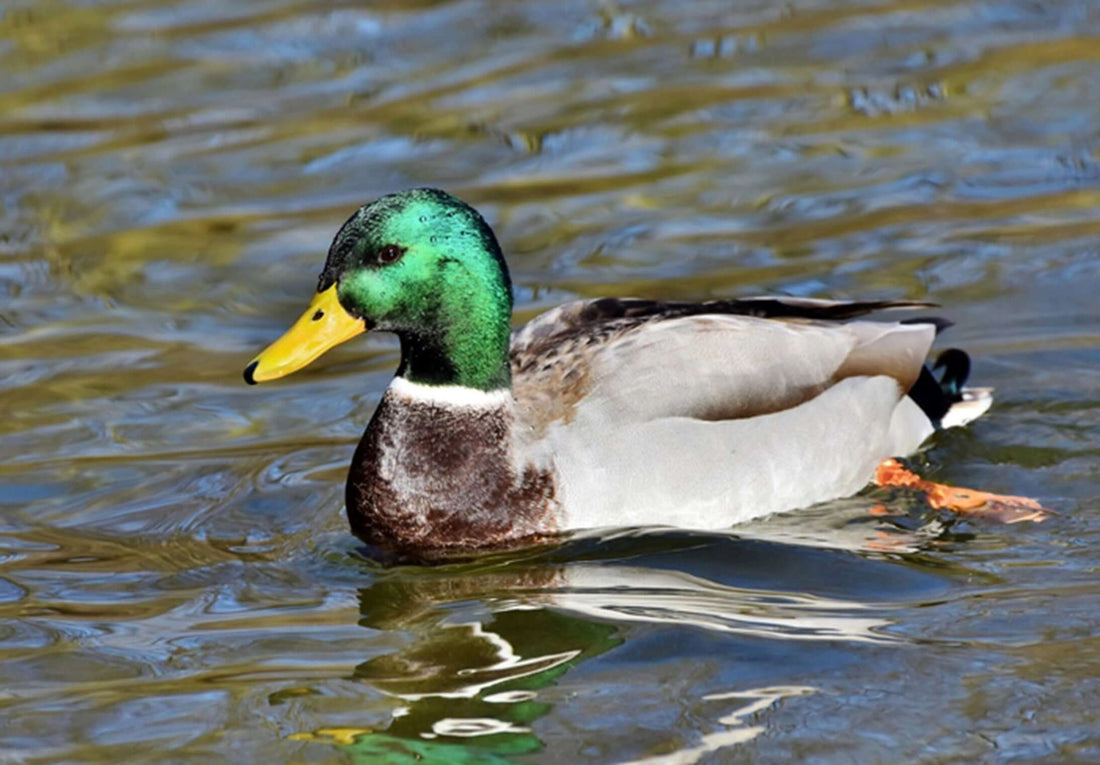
420	263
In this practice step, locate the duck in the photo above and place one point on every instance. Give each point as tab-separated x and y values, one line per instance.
606	412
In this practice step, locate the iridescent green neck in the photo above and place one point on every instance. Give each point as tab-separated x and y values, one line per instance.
466	340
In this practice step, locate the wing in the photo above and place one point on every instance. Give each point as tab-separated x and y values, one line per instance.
604	317
637	360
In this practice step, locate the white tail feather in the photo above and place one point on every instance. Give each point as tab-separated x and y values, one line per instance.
975	402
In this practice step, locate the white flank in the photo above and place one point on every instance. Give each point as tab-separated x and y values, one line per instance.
975	403
457	396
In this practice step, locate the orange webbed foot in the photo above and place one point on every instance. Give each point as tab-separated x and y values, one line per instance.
1003	508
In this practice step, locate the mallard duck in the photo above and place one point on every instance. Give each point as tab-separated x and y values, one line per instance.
605	412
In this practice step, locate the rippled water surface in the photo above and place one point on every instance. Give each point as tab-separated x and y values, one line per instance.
176	577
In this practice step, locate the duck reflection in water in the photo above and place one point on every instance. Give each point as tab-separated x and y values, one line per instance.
491	643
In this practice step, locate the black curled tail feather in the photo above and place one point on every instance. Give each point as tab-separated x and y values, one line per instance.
956	368
935	397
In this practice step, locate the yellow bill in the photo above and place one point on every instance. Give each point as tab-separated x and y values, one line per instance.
324	325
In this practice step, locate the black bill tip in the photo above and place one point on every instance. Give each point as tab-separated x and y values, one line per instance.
248	372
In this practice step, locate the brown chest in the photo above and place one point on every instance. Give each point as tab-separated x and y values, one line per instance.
430	478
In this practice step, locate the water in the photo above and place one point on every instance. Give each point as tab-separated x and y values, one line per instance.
176	577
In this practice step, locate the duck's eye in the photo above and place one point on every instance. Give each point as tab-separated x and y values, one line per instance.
391	253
